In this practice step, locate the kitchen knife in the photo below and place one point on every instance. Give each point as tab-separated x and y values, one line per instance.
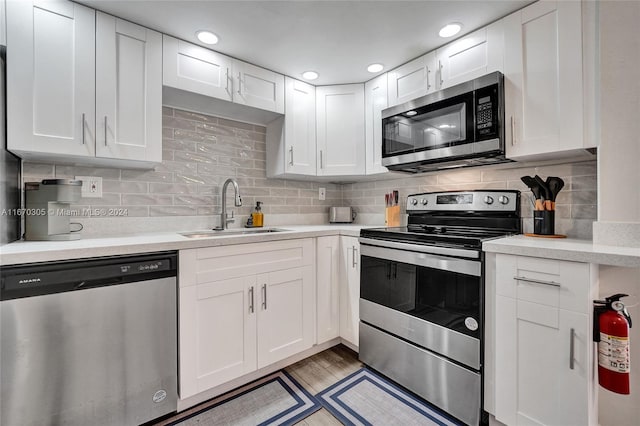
395	198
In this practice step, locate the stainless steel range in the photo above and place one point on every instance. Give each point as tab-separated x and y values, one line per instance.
421	295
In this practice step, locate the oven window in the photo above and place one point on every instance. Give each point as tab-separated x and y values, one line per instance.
449	299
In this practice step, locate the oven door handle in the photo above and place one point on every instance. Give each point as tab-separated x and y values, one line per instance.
450	264
470	254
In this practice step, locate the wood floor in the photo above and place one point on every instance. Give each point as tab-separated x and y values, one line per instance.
320	371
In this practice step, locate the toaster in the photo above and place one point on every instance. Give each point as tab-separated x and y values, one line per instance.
341	215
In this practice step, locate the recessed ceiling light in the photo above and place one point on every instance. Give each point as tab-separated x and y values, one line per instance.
410	113
207	37
450	30
375	68
310	75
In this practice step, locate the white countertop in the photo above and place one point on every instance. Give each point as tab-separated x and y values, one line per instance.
21	252
565	249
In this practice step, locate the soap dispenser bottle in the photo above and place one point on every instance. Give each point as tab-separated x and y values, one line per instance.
257	215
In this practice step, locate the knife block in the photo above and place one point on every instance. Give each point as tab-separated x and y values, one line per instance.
392	216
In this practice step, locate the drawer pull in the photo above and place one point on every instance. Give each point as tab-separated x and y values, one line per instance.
531	280
251	309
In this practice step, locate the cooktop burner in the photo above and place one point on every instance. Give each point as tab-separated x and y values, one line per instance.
455	219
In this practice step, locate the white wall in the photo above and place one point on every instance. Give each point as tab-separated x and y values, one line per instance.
619	151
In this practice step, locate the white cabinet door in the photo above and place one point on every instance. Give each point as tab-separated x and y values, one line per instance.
375	100
217	333
350	290
328	285
340	130
543	364
291	140
195	69
128	90
543	80
472	56
50	78
412	80
286	313
258	87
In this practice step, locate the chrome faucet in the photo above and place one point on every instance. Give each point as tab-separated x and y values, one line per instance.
224	220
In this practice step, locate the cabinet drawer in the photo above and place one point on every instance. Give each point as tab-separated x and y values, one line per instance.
560	284
210	264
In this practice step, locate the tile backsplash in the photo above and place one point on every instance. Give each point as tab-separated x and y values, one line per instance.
200	152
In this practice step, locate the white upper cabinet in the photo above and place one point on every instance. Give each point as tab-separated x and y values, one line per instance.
291	140
472	56
258	87
412	80
195	69
544	80
128	90
375	100
340	130
198	70
50	79
82	87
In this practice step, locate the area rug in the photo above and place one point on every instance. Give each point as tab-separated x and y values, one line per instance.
276	399
365	398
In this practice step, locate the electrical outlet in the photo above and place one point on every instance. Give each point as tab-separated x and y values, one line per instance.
322	194
91	186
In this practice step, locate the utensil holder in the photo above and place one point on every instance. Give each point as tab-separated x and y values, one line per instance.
544	222
392	216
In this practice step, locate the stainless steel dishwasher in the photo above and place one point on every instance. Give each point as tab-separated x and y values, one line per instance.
89	342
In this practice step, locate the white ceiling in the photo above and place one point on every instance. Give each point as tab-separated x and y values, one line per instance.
338	39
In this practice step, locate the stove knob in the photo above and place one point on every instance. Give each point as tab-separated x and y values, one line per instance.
414	201
425	201
503	199
488	199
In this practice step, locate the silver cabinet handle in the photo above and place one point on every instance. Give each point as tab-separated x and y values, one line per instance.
105	130
321	166
572	345
440	71
513	131
83	126
291	155
239	84
264	297
227	78
531	280
251	300
354	262
428	84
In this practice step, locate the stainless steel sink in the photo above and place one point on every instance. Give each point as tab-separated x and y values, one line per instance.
229	232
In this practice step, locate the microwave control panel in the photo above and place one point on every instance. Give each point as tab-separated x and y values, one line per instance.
486	106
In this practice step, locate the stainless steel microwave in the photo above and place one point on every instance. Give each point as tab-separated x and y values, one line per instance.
459	126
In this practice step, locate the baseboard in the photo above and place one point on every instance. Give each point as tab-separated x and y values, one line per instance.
184	404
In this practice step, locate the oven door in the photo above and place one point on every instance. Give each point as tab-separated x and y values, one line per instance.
431	300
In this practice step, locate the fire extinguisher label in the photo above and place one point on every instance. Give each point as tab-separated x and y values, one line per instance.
613	353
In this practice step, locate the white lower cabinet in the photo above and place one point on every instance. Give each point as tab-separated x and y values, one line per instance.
242	308
543	342
350	290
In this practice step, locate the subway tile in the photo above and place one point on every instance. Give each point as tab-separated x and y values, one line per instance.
582	183
285	192
190	200
176	167
284	209
178	123
167	133
147	199
270	183
147	176
172	211
250	172
584	211
260	164
172	188
195	116
207	211
37	169
254	136
298	201
167	155
298	184
179	145
196	179
218	149
72	171
167	111
215	129
216	169
259	129
192	157
577	197
187	135
105	200
314	209
124	187
468	176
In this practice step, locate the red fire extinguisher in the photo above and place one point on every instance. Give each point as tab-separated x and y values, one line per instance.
611	330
